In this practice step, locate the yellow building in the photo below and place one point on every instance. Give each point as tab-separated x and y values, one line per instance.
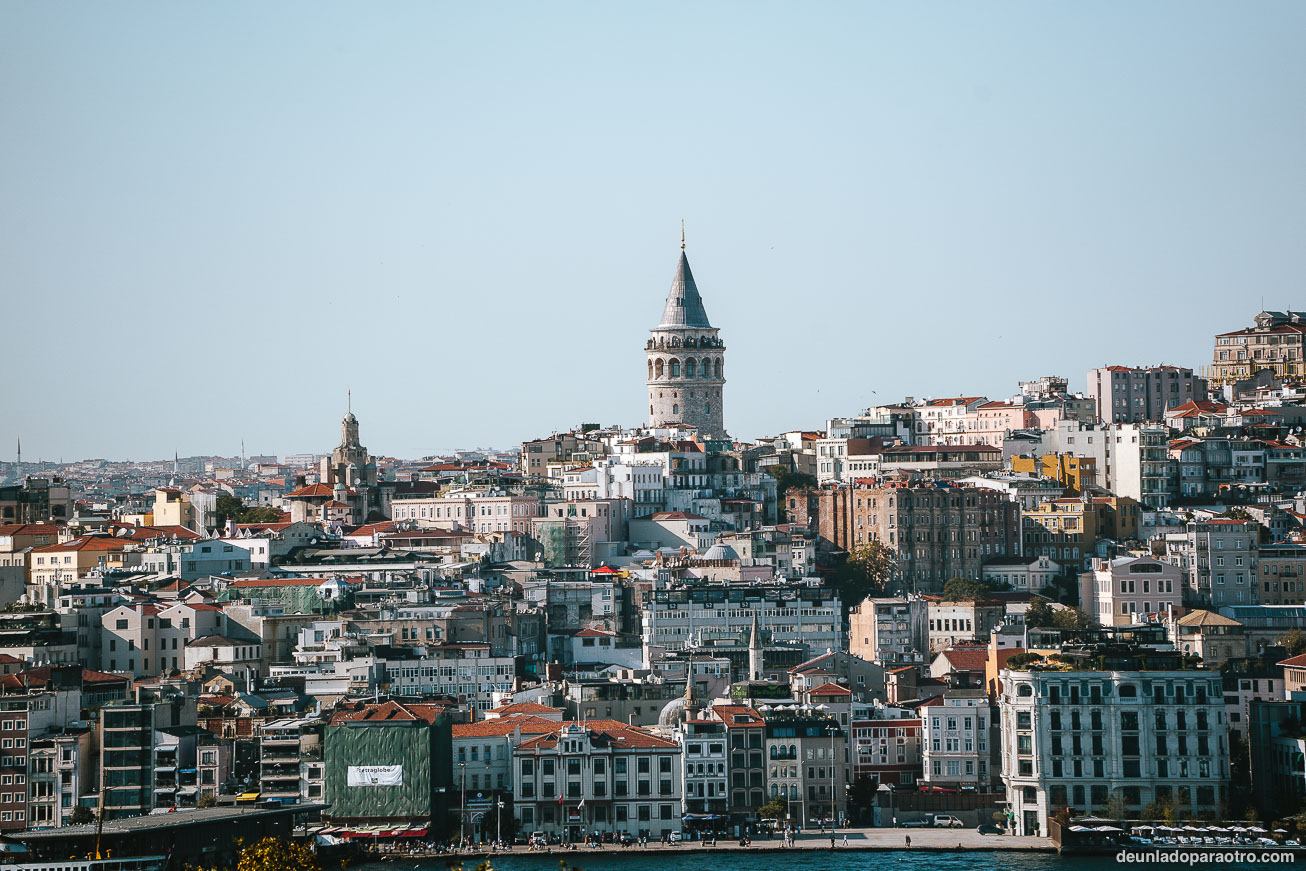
1064	530
1077	473
1276	341
171	508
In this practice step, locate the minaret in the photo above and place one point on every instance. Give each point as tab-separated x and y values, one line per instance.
755	667
685	359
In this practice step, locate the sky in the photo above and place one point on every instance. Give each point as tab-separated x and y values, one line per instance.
215	219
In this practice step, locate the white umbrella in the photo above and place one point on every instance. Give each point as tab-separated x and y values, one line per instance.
1257	829
1190	829
1281	831
1080	829
1237	829
1108	829
1216	829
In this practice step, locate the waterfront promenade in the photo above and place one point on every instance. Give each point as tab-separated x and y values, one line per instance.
859	840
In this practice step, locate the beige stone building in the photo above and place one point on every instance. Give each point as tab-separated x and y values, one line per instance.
1275	341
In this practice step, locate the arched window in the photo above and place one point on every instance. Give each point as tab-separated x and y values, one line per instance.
650	409
650	370
707	409
772	751
689	368
1024	690
793	752
706	368
675	408
675	369
657	368
718	367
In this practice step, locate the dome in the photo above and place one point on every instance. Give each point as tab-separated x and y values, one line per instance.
720	552
672	713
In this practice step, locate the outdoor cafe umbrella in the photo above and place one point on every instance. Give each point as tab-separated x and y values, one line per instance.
1109	829
1281	831
1257	829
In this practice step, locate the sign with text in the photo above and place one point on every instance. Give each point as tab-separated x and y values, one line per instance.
375	775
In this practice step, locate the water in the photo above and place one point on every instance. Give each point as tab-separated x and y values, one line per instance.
797	860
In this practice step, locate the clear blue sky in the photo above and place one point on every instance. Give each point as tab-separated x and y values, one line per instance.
216	217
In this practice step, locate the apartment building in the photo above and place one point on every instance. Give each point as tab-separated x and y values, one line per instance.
1084	739
1123	591
291	767
602	776
1275	341
1219	559
890	631
937	531
1127	395
955	749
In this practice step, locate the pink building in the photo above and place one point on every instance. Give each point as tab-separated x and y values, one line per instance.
994	421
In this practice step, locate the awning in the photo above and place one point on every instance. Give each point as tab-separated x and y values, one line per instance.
702	817
248	796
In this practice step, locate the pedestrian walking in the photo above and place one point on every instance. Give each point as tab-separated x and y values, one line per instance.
845	839
909	842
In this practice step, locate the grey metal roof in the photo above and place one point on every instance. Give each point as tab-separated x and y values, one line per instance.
155	822
684	306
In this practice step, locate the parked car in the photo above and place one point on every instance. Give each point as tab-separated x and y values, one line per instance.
538	839
946	821
988	829
674	837
923	822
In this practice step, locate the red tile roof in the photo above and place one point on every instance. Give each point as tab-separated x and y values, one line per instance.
524	708
830	689
504	726
604	731
312	491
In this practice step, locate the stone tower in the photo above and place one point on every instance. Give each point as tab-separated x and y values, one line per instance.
685	361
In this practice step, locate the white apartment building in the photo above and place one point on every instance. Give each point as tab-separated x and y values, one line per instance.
1123	591
473	510
795	616
1083	739
955	738
1021	573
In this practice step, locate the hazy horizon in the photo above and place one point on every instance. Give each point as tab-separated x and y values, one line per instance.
217	219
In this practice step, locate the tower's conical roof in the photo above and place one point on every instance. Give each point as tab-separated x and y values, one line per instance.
684	306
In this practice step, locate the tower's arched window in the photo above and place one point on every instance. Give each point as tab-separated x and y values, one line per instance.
718	367
689	368
707	368
657	368
675	369
650	370
707	409
675	408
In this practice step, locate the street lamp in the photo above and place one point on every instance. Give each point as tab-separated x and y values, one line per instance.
834	730
462	803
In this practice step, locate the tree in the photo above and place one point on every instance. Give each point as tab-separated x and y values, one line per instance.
232	508
1295	641
866	572
1070	618
274	854
81	816
1236	513
1038	615
208	799
773	809
787	479
965	590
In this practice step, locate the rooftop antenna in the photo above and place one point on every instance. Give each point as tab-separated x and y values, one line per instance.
682	234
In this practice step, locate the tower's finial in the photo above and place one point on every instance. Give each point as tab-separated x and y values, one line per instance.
349	400
682	234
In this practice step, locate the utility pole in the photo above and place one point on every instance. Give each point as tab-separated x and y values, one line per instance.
462	802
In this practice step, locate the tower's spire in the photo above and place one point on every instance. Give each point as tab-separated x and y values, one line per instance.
684	306
755	664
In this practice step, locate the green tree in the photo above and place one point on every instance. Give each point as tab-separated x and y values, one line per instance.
1236	513
866	572
208	799
787	479
1038	615
82	815
773	809
260	514
232	508
965	590
1295	641
1070	618
273	854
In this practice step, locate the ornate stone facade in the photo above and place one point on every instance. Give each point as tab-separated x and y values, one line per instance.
685	362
